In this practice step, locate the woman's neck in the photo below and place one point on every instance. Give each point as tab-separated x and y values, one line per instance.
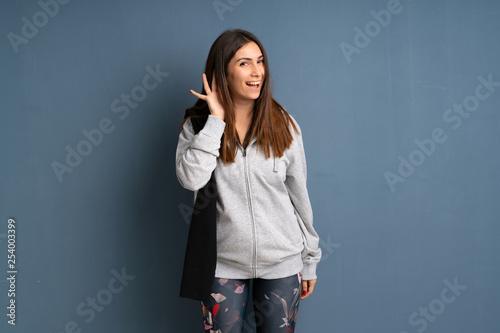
243	111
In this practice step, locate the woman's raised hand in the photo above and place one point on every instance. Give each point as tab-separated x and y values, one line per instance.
212	97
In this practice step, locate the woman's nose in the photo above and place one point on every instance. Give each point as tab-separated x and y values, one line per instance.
257	70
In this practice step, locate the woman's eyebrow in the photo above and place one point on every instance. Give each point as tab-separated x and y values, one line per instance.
261	56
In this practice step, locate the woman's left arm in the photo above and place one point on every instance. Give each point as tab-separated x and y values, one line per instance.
296	183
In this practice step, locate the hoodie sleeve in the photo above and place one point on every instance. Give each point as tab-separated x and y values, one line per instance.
196	155
296	179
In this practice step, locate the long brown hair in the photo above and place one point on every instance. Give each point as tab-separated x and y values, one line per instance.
270	121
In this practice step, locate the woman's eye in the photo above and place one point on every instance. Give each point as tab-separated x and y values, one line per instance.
245	63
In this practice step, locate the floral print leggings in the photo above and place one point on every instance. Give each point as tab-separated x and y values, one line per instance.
275	305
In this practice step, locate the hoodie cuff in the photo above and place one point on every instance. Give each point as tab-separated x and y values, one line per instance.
214	127
309	271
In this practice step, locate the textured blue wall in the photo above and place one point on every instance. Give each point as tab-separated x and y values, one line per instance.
399	105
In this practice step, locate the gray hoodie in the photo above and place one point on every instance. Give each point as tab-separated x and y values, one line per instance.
264	216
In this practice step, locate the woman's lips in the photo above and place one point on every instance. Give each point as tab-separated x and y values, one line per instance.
254	85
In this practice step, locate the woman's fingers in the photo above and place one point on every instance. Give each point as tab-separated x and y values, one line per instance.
307	288
200	96
212	97
205	84
304	290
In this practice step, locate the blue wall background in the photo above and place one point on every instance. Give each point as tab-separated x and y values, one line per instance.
401	134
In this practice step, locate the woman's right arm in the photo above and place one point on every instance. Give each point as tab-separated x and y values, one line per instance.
196	155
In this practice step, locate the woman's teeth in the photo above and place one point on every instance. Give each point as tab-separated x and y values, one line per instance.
253	83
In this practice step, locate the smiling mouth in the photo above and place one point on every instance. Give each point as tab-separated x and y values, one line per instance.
254	84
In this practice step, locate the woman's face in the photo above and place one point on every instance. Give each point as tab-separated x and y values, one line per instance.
245	73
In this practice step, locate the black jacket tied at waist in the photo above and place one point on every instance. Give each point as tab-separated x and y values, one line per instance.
201	250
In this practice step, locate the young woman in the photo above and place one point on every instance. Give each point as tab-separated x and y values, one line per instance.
243	155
